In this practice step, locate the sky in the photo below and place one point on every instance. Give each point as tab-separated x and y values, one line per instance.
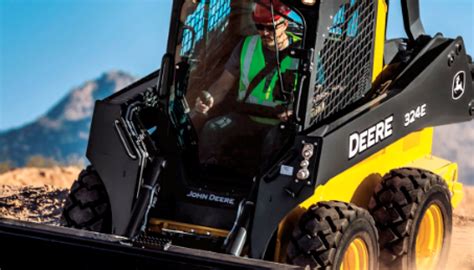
48	47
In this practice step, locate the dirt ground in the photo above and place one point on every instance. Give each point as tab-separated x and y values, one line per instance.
37	195
59	177
461	255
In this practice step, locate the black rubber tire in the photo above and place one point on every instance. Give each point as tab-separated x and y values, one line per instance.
398	206
325	231
87	205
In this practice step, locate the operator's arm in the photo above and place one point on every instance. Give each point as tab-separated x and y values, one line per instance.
220	88
217	91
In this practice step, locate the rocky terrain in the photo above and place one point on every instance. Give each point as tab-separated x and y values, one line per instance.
37	195
36	204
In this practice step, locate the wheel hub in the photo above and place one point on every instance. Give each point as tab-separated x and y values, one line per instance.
429	240
356	256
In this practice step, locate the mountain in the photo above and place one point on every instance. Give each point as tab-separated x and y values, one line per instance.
61	133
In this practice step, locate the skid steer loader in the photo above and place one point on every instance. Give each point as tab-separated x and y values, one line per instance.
346	180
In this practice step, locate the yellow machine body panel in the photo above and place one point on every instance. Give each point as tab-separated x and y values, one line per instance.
379	44
357	184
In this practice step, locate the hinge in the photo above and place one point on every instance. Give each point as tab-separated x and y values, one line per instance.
305	55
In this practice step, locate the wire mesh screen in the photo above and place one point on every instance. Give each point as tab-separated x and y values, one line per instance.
196	22
201	23
218	12
344	67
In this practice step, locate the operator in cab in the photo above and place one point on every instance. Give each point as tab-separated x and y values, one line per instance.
264	74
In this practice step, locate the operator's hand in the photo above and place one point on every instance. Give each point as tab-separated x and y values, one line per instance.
285	115
204	103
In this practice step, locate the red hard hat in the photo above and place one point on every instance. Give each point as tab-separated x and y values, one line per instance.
263	14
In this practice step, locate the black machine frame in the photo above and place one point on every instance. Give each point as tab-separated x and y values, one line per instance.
120	143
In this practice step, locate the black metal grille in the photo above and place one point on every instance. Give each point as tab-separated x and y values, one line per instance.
344	69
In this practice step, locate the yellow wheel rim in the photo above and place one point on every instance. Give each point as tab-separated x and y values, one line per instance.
356	256
429	240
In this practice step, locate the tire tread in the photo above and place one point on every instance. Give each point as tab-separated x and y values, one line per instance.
315	241
394	206
87	205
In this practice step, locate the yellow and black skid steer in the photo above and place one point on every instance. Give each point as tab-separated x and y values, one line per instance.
276	134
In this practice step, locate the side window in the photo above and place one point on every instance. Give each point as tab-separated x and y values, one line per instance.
344	65
339	28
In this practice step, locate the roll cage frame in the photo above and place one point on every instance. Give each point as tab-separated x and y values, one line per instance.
314	31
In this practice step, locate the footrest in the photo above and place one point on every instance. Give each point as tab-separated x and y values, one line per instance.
153	242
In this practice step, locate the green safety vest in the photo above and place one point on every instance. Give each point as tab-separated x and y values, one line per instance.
252	61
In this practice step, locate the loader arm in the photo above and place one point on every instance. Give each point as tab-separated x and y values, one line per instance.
411	19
